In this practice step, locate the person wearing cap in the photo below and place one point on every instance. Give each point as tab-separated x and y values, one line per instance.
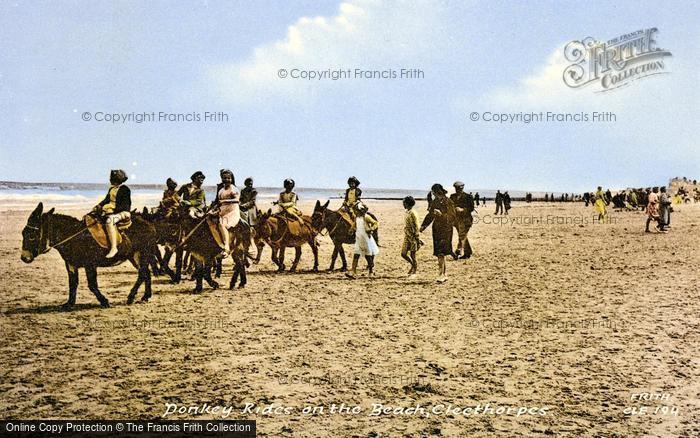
170	202
441	213
365	245
464	206
115	208
249	210
287	201
193	197
226	207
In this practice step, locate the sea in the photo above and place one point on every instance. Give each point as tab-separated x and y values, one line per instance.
24	196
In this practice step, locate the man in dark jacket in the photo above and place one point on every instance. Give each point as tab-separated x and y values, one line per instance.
464	206
192	195
499	202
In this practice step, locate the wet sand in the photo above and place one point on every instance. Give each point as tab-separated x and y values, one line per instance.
574	317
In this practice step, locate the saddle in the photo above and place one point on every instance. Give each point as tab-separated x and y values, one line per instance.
213	224
346	217
295	227
97	230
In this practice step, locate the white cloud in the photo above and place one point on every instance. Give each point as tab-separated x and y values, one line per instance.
543	88
367	34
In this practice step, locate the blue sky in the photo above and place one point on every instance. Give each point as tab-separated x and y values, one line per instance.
60	59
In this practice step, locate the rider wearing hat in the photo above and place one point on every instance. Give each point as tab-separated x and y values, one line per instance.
288	201
170	201
115	207
352	198
192	194
249	211
227	207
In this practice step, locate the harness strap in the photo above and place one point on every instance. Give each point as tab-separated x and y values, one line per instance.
72	236
184	240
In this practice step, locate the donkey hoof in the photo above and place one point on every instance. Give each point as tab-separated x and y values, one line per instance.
105	304
67	306
197	290
241	286
215	285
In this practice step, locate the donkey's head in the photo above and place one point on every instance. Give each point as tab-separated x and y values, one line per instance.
35	234
319	214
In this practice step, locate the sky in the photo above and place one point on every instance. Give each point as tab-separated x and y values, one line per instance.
63	59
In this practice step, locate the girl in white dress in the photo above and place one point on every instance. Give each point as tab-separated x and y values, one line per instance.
364	242
227	198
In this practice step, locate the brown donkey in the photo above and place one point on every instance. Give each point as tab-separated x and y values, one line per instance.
276	232
70	237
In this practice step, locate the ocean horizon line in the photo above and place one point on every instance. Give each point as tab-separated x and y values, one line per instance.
28	185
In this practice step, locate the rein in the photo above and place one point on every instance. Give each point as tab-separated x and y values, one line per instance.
184	240
50	246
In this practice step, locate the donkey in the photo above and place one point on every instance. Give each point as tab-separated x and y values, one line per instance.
204	249
70	237
275	231
339	230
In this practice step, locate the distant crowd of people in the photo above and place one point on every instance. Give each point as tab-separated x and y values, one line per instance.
656	202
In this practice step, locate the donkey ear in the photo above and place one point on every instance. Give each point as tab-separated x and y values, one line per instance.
51	211
269	212
318	204
326	204
38	210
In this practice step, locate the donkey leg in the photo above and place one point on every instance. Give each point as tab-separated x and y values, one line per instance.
178	265
297	257
207	276
72	286
280	259
198	274
156	261
218	268
234	277
164	266
145	275
314	250
334	256
244	277
91	273
260	246
137	261
341	251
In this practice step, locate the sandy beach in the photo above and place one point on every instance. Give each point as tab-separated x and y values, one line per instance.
553	311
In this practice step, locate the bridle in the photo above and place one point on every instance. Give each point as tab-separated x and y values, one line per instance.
323	218
45	241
